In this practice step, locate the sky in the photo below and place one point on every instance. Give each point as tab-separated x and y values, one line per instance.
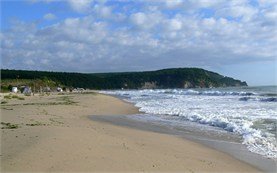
236	38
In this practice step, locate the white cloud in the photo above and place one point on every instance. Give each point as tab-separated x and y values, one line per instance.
81	6
46	1
245	12
174	24
139	19
173	3
49	16
210	22
145	37
146	20
103	11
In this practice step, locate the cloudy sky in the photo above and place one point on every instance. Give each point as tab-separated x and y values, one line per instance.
237	38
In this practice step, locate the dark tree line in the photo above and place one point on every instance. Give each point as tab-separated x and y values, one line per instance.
167	78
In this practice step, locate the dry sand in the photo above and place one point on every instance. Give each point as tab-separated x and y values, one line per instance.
55	135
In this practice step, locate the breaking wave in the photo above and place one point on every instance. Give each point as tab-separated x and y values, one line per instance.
230	109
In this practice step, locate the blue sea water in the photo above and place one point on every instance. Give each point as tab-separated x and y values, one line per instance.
250	112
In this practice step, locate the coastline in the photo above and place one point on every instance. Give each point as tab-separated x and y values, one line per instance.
55	135
228	144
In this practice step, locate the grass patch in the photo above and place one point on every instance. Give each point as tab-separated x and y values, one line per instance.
44	112
6	108
52	103
10	96
47	103
67	100
44	94
55	121
9	126
63	100
4	102
36	124
84	92
92	93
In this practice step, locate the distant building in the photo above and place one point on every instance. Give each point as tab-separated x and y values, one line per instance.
27	90
79	90
59	89
149	85
14	89
47	89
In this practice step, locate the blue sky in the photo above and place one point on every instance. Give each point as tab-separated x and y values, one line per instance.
236	38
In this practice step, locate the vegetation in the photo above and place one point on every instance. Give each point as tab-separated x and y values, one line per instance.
36	124
167	78
55	121
4	102
10	96
9	126
35	83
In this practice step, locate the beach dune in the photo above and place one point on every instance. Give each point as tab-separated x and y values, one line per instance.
54	134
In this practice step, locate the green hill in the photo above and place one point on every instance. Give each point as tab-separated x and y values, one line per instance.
166	78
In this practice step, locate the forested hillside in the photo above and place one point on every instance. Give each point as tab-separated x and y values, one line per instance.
167	78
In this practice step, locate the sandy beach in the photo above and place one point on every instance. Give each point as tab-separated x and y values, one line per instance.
54	134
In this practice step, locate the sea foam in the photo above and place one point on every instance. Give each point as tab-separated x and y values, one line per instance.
233	110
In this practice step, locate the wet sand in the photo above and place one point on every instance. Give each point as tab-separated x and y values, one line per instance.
225	142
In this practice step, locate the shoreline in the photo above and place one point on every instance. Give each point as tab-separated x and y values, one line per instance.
230	145
222	144
55	134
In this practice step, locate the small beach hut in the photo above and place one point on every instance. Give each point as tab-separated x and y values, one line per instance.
47	89
27	90
59	89
14	89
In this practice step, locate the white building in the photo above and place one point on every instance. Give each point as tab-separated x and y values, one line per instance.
14	89
59	89
27	90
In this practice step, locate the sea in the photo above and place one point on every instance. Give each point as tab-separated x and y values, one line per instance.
248	112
